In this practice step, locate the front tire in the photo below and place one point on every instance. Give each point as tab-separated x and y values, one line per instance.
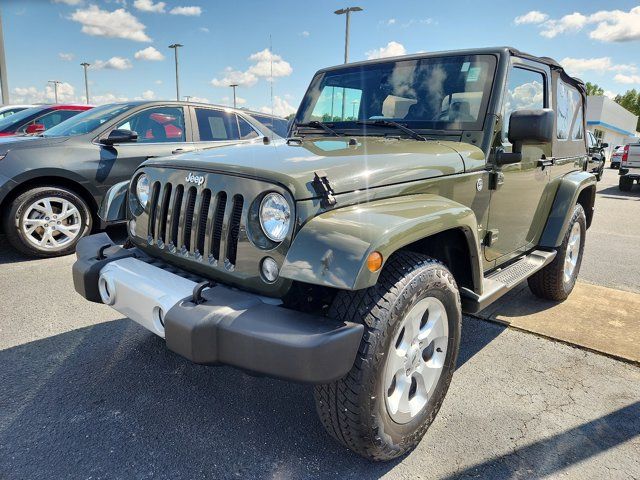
556	280
47	221
412	317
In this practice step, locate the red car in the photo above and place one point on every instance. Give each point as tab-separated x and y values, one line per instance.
38	119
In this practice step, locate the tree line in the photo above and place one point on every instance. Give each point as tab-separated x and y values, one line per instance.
629	100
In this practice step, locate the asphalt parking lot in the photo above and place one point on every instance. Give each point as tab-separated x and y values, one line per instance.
88	394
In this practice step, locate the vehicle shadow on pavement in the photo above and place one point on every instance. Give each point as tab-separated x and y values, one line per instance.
614	192
111	401
554	454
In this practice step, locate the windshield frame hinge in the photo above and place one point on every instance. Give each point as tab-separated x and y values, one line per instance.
323	188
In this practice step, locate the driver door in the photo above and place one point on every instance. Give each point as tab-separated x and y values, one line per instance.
517	203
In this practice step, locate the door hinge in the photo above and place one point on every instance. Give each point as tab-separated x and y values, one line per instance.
496	178
490	238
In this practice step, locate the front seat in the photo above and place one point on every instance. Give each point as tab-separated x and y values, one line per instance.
461	112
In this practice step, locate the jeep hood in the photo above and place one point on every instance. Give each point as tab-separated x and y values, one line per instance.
368	163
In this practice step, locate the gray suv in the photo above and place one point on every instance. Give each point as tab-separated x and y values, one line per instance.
51	185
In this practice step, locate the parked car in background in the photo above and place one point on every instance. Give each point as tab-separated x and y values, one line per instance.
36	120
7	110
51	185
276	124
616	156
596	155
629	167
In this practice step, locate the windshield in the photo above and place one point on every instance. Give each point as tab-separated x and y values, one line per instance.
442	93
13	122
87	121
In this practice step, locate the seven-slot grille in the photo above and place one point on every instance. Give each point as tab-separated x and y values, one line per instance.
186	219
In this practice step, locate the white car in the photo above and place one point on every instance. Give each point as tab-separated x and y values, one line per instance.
616	156
6	110
629	167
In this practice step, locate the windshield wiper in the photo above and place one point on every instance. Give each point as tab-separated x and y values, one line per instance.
322	126
389	123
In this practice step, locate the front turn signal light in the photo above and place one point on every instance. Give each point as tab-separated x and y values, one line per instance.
374	261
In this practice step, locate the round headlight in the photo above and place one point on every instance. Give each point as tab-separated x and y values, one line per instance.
142	190
275	216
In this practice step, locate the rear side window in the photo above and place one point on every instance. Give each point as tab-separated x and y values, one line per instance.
216	125
525	91
568	112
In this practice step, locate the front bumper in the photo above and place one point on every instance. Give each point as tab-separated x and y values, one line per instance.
223	325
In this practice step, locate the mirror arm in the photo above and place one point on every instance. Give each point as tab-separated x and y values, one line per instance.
507	158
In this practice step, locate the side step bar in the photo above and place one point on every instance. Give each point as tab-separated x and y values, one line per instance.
502	280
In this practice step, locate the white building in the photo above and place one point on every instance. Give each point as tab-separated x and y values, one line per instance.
610	122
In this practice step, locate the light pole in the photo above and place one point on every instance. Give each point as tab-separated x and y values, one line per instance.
347	11
55	88
187	98
85	65
175	47
4	86
234	85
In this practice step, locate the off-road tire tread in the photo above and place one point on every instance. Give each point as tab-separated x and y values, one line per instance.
547	282
339	404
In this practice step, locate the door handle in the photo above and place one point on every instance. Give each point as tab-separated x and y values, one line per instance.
177	151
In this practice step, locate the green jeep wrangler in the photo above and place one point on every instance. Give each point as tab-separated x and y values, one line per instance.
410	190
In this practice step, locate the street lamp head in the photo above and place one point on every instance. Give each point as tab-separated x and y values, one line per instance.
176	45
342	11
85	64
233	85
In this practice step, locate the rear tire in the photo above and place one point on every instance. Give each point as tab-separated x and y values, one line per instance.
403	346
625	184
556	280
47	221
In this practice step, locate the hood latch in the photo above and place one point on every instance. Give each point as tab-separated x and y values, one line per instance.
323	188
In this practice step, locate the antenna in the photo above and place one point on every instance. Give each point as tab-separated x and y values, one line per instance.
271	58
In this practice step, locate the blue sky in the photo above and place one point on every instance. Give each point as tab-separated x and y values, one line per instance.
225	41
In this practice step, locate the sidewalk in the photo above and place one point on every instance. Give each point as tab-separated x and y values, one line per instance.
601	319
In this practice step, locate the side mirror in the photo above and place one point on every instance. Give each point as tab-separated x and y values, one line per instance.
119	136
527	127
35	128
604	145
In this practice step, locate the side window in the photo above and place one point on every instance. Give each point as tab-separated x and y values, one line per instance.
525	91
567	104
216	125
155	125
52	119
10	112
578	132
247	132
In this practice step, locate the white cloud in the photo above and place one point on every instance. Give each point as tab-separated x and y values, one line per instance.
116	24
577	66
610	94
114	63
67	57
391	21
149	6
392	49
607	25
305	33
188	11
149	54
158	82
66	93
569	23
199	99
146	95
101	99
266	61
244	79
616	25
533	16
73	3
229	101
627	79
281	107
204	29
